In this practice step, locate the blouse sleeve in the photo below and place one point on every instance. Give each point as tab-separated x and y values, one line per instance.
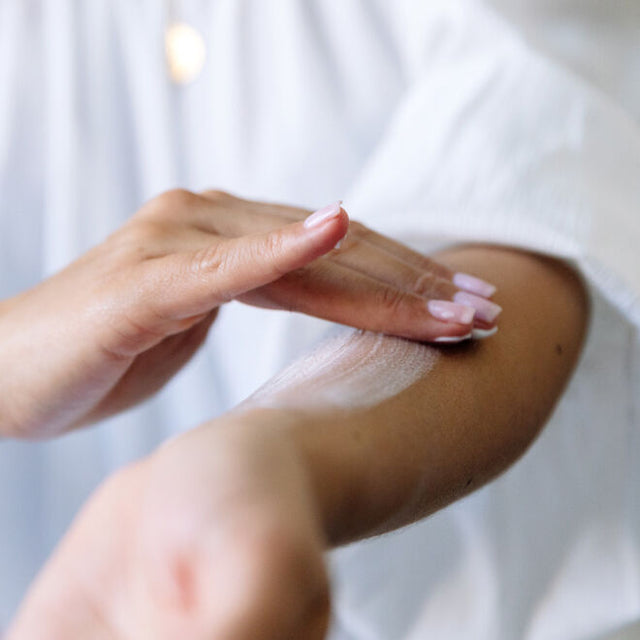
494	143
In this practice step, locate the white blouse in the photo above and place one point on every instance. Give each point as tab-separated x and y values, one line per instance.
514	121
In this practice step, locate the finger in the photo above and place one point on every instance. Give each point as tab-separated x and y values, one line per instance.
367	303
387	260
196	282
363	234
260	216
232	217
211	212
364	258
359	231
463	281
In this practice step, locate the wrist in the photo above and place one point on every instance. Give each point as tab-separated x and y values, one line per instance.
333	489
243	462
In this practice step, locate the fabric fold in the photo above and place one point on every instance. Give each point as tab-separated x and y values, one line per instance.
517	151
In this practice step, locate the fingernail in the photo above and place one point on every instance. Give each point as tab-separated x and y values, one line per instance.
481	334
485	309
451	312
474	285
453	339
322	215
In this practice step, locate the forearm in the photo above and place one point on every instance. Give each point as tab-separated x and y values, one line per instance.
324	453
445	420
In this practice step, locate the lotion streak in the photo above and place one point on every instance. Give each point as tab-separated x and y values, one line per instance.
352	370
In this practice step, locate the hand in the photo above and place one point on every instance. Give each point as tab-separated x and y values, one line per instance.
116	324
215	536
369	282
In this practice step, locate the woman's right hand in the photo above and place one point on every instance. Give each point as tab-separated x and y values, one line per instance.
119	322
115	325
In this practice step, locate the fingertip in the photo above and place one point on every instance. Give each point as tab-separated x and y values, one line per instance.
486	311
324	215
472	284
448	311
341	221
327	227
453	339
438	332
448	332
482	334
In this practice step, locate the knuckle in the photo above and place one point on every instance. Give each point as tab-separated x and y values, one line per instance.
140	238
212	266
437	270
272	247
167	204
177	198
390	299
211	259
269	251
425	285
147	231
217	195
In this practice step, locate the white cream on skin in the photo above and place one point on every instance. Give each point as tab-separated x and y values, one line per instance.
352	370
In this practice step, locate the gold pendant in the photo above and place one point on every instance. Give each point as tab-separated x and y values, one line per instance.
186	52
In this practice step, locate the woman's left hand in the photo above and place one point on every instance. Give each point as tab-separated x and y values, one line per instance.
214	536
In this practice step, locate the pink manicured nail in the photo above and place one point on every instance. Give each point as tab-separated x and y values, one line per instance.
451	312
485	309
322	215
474	285
452	339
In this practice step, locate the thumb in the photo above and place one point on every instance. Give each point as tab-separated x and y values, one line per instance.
196	282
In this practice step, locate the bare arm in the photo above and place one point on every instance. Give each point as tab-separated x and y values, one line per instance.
221	532
379	462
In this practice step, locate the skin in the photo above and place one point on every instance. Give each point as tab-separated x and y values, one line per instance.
220	533
121	320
